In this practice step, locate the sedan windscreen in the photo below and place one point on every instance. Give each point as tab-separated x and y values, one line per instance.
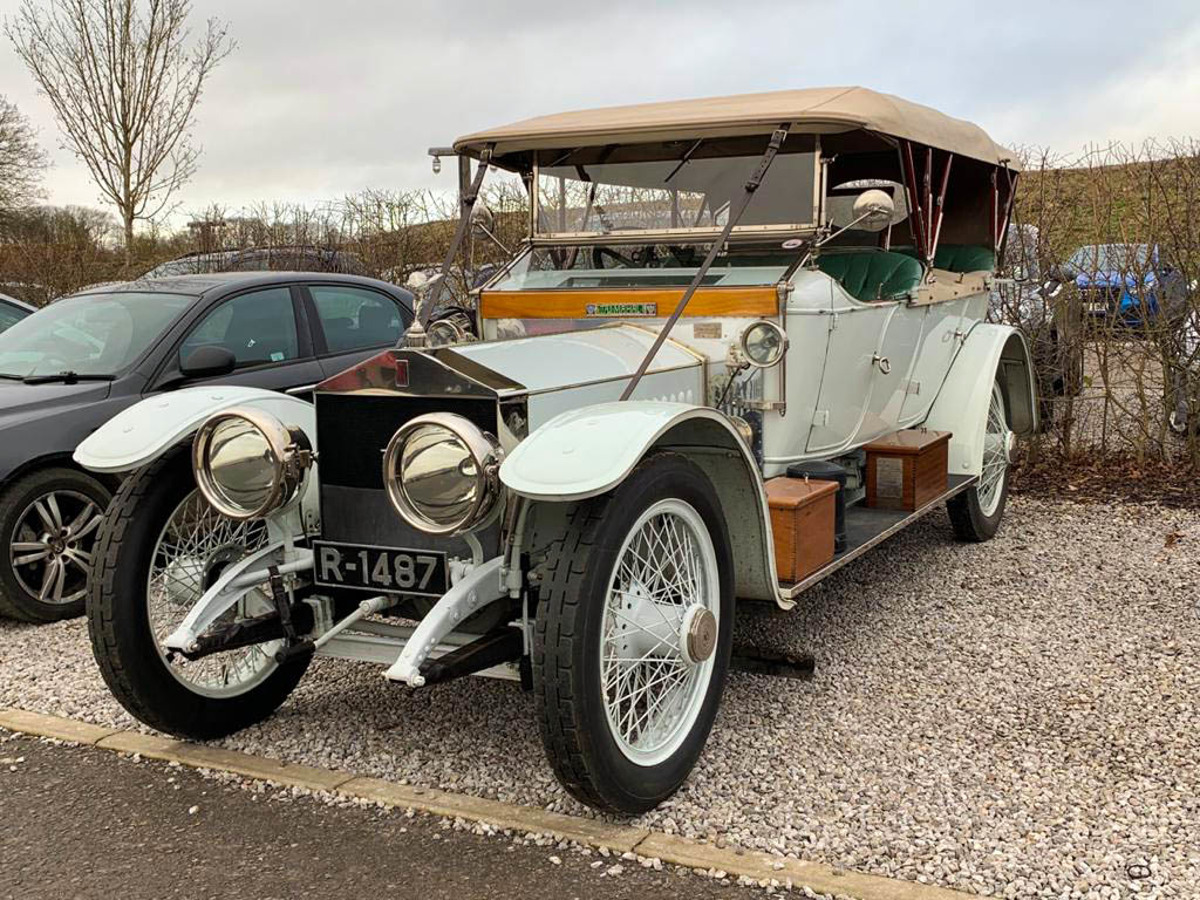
93	335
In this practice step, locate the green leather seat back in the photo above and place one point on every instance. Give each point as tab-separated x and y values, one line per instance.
958	257
964	258
873	274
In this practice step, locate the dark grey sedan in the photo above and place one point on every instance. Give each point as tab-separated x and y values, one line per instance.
69	367
12	311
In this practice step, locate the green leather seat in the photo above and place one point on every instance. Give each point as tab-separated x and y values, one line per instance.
872	275
964	258
959	257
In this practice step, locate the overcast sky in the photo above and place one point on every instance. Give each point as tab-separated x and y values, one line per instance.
327	97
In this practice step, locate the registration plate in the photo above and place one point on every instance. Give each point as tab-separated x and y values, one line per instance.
380	569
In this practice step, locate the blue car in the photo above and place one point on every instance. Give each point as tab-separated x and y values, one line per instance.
1129	283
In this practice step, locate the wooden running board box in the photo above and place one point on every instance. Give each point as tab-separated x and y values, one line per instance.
907	469
802	520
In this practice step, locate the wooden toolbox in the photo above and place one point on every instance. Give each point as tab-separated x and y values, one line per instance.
802	519
907	469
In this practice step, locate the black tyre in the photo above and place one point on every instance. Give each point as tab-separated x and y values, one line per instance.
49	524
161	546
975	514
634	628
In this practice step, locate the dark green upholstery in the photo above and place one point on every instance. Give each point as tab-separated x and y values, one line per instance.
872	275
959	257
964	258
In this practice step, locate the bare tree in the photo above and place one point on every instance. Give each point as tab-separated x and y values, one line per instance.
124	82
21	159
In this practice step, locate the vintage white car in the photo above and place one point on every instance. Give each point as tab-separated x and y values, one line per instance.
721	303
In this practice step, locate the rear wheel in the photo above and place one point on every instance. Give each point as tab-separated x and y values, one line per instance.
977	511
160	549
633	636
49	521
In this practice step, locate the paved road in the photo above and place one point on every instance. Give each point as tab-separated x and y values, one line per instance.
84	823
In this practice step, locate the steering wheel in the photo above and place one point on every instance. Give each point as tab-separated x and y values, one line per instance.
460	316
685	255
638	258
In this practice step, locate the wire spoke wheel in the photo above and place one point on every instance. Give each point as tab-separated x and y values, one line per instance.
996	450
665	578
633	635
52	546
196	545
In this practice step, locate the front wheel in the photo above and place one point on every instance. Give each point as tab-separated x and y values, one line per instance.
977	511
633	636
160	548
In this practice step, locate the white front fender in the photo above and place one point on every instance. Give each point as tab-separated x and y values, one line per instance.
144	431
585	452
990	352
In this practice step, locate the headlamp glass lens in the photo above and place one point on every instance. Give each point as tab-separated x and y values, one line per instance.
439	475
763	344
241	463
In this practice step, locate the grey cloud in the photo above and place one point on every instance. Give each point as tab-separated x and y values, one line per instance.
325	98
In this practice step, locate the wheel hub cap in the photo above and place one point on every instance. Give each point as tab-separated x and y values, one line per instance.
52	544
698	636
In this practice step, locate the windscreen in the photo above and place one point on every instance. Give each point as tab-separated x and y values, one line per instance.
96	335
598	266
687	192
1110	258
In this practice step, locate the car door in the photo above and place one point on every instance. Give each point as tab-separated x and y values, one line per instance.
941	335
892	376
352	322
266	331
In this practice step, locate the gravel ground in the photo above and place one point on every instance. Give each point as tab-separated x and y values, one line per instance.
1016	718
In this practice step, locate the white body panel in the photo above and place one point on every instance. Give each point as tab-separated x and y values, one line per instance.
962	406
548	362
142	432
569	371
585	452
855	337
838	396
942	333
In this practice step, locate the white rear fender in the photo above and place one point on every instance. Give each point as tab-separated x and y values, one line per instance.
589	451
143	432
990	352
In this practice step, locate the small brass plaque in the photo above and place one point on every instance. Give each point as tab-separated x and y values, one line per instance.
621	310
707	331
889	478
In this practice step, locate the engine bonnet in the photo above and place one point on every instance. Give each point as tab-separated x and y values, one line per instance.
561	360
592	366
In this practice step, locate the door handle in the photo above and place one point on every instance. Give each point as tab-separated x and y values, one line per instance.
883	363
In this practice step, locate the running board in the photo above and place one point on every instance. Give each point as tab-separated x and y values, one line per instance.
867	527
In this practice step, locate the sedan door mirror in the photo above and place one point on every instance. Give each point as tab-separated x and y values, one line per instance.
208	362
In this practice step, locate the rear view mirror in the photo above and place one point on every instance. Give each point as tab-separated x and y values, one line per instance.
483	219
208	362
873	210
